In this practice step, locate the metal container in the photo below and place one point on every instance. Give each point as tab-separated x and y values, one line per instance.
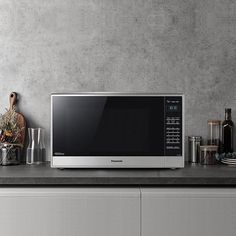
194	143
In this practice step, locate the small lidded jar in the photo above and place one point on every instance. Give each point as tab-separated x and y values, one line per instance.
208	154
213	132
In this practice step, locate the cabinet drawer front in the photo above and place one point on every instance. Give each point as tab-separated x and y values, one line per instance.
70	211
185	212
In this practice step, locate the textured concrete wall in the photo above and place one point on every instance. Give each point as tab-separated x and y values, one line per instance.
184	46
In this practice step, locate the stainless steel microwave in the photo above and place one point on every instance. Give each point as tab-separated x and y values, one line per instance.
117	130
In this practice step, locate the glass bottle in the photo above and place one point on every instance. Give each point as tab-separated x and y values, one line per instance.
36	152
227	132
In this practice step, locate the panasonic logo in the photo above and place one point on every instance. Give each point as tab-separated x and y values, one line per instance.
116	161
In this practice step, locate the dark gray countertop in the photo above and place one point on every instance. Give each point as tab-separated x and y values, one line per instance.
43	175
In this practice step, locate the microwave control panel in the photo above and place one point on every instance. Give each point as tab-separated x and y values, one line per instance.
173	126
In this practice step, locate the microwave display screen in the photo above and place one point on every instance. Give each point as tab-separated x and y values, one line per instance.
173	108
116	126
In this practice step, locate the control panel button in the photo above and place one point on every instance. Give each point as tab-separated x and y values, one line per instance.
173	125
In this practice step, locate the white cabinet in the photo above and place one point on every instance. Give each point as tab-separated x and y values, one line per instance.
117	211
188	212
69	212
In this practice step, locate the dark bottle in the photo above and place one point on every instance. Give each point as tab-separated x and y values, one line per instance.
227	132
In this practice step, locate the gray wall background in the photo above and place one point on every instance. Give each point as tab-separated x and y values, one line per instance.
156	46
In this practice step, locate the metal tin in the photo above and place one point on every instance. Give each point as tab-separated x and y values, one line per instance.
194	143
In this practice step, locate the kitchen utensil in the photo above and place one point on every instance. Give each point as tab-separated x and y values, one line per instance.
194	143
20	118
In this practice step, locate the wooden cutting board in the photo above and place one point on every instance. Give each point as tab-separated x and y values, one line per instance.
20	118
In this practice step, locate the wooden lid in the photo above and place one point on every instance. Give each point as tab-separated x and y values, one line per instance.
214	122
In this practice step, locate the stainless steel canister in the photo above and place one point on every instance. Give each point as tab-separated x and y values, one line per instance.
194	143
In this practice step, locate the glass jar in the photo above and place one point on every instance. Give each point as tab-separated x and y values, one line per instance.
213	132
208	154
10	154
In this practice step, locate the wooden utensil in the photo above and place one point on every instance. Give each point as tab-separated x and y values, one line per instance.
20	118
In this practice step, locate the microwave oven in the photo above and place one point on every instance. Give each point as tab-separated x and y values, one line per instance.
117	130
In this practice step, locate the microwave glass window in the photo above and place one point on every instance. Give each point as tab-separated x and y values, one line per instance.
108	125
